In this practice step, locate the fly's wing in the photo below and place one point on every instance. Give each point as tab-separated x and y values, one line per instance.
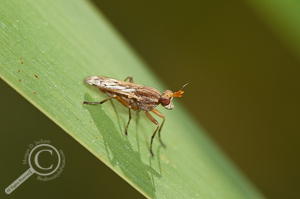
123	88
114	86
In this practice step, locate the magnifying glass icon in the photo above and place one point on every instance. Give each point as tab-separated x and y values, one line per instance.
31	170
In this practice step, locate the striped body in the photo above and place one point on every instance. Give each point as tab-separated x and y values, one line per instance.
140	97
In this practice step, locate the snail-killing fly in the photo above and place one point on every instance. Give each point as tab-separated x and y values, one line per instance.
136	97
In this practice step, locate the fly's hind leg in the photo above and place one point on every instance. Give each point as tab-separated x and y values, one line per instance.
113	96
155	111
130	79
122	102
149	116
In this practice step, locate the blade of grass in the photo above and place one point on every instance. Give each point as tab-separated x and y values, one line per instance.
48	49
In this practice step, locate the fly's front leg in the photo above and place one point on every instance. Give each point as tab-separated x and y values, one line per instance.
113	96
157	124
155	111
130	79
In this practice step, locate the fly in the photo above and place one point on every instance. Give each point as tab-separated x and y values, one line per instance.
136	97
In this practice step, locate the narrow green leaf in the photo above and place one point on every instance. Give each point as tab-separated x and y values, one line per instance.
47	51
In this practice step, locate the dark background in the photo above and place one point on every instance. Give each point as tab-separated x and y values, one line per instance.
244	81
244	90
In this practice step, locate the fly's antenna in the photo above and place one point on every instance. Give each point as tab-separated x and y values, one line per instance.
180	92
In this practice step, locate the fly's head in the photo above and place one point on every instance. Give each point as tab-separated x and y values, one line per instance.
166	98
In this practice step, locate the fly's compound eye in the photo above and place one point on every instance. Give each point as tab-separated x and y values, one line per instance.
165	101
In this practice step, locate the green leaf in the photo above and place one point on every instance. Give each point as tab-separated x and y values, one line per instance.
47	51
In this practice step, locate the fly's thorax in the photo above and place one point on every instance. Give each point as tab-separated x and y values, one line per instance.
166	100
147	98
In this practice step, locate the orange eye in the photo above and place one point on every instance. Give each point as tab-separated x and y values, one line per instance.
165	101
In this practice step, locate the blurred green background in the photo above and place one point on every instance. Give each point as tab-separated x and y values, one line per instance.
244	79
244	90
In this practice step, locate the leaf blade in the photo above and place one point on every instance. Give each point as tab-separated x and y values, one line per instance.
63	43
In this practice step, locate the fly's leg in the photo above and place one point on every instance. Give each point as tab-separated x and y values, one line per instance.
157	124
130	79
155	111
128	121
122	102
113	96
129	107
